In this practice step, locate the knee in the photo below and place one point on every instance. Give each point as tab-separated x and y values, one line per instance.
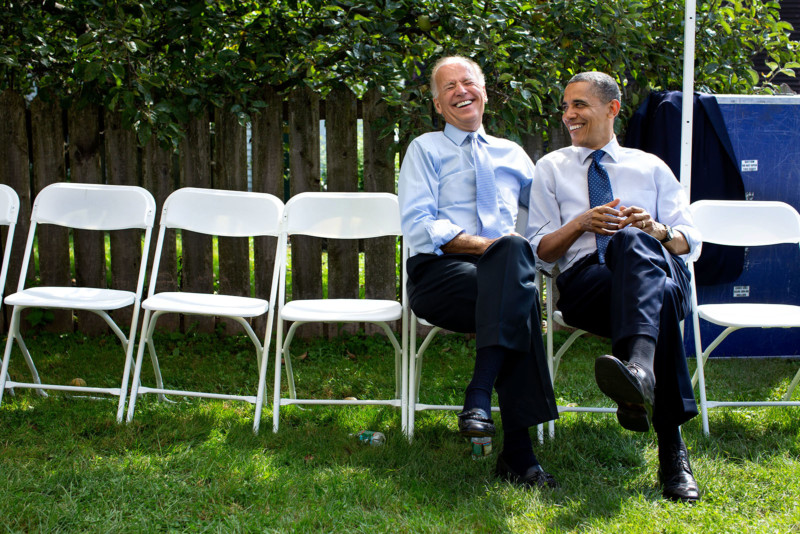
513	245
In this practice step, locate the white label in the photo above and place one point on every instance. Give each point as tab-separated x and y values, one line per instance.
749	165
741	291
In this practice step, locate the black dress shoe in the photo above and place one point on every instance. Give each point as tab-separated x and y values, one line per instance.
534	477
631	387
475	423
675	475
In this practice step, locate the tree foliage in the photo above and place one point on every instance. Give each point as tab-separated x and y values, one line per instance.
159	62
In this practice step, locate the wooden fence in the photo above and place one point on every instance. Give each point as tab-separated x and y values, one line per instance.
40	143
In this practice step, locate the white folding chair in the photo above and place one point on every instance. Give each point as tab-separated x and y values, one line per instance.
341	216
87	207
221	213
416	355
742	223
9	210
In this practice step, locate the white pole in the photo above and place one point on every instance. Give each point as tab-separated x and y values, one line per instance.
688	96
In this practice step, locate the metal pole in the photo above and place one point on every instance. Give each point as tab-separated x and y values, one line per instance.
688	96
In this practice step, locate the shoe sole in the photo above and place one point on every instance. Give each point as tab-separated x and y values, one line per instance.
611	377
468	433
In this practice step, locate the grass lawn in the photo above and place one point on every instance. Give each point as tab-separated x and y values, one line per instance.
66	466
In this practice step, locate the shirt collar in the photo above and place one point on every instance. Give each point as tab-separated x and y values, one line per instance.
459	136
611	149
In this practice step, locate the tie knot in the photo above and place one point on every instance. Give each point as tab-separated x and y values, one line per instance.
597	155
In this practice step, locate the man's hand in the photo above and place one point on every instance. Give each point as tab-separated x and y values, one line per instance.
603	219
640	218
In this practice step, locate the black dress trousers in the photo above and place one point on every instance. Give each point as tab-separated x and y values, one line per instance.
495	296
641	290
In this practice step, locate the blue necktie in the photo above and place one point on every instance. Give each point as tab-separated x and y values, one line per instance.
485	191
599	193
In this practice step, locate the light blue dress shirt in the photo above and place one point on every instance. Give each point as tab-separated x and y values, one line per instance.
560	193
437	187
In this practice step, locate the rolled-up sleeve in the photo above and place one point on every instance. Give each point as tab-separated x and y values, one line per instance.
418	192
544	215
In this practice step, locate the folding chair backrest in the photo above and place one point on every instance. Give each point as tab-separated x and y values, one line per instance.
223	213
9	210
343	215
746	222
9	205
94	207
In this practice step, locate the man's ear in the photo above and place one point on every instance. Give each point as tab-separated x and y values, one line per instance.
485	95
437	106
614	107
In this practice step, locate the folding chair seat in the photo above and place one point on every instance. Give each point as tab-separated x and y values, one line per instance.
341	216
221	213
86	207
750	224
9	211
416	354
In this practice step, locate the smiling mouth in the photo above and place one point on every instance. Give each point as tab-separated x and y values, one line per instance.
464	103
575	127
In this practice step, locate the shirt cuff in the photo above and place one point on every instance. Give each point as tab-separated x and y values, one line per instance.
442	232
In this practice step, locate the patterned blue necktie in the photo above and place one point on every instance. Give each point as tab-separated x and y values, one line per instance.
599	193
485	191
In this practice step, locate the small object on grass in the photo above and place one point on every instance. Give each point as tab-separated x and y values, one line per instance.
78	382
370	436
350	398
481	447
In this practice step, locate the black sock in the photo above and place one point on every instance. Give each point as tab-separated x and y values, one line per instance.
488	361
642	351
518	450
668	438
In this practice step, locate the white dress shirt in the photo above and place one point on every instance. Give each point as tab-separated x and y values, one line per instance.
560	193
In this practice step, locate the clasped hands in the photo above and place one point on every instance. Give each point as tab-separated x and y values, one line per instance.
608	218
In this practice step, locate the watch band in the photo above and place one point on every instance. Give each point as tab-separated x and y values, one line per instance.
669	236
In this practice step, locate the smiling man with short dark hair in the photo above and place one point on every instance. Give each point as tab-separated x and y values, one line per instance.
618	224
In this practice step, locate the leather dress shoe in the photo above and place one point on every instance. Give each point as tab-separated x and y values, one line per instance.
534	477
631	387
675	475
475	423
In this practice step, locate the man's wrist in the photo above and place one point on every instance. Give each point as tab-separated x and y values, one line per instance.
665	233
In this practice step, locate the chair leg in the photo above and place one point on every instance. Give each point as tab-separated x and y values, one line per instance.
12	330
276	390
287	359
29	361
137	370
151	347
792	386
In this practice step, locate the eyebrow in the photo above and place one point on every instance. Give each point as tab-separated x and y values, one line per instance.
576	101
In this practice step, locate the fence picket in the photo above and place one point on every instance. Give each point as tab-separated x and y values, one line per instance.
195	171
15	172
47	136
126	246
230	149
158	178
341	135
267	157
85	155
304	153
380	262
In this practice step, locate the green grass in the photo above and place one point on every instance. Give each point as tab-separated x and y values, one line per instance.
66	466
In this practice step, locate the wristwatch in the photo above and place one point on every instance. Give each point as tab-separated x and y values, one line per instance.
669	235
